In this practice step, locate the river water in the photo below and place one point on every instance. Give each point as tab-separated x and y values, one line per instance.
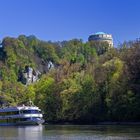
70	132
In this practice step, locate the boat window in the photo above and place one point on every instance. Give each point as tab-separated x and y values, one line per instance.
9	113
25	119
30	111
28	119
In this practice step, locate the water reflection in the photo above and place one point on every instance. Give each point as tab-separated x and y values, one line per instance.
70	132
30	132
92	132
21	132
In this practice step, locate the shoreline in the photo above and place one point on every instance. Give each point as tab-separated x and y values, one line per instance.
96	123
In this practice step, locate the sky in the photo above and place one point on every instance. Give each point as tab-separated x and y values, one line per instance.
58	20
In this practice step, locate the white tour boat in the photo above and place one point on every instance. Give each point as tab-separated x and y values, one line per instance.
21	115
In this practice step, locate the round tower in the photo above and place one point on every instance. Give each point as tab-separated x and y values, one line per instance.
102	37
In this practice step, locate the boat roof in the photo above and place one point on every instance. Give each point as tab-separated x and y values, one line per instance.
17	108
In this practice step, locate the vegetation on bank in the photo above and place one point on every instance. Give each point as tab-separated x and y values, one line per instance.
90	82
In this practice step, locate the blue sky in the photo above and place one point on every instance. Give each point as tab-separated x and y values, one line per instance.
67	19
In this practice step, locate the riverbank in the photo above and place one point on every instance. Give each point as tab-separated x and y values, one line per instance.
95	123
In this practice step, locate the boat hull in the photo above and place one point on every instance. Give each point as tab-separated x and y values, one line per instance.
23	123
30	121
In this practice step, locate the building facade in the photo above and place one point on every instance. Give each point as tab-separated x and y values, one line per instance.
102	37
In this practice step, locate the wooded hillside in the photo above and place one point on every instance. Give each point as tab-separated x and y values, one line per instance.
89	82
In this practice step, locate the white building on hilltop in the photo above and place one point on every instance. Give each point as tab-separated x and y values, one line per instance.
102	37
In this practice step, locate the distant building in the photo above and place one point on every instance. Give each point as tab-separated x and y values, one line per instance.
102	37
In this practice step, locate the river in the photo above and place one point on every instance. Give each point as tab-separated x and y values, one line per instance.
70	132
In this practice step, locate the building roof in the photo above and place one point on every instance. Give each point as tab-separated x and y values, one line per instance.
100	33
